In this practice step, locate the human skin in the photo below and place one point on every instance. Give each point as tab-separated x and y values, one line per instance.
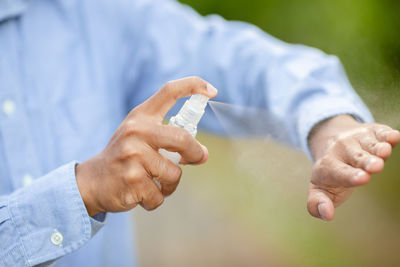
347	153
120	177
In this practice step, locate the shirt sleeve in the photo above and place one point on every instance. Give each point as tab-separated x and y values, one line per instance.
297	85
45	220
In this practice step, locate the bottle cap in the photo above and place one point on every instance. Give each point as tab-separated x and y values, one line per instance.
192	111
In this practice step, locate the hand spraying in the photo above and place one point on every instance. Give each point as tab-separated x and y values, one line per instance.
187	118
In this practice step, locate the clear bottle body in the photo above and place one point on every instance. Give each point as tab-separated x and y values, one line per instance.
187	118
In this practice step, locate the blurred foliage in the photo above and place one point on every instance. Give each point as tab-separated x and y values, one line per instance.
264	186
363	33
365	36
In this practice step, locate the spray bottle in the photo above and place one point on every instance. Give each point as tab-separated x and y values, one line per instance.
187	118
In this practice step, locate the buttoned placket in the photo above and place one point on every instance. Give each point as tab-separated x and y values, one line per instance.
18	145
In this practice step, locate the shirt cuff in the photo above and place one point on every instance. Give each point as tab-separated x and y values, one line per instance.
49	217
321	108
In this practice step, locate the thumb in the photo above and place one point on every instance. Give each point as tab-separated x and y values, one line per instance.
166	97
319	203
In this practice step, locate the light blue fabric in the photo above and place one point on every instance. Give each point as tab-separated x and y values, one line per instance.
70	71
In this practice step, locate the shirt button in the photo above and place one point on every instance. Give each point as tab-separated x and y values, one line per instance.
8	107
57	238
27	180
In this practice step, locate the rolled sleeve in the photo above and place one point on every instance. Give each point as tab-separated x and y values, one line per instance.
45	220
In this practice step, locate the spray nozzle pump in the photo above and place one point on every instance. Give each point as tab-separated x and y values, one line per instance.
190	114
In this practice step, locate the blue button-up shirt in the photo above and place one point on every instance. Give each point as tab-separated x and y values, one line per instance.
70	71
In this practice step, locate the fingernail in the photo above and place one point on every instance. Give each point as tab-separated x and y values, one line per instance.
358	175
371	161
205	155
211	89
322	212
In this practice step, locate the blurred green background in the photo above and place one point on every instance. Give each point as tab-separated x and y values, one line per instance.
247	205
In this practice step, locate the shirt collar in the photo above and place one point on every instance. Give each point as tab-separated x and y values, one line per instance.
12	8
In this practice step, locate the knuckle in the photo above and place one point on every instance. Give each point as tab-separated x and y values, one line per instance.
358	155
129	200
124	201
168	88
381	133
129	150
126	149
159	166
374	148
359	158
131	127
183	138
134	176
196	80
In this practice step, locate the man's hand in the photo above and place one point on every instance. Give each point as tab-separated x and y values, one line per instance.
121	176
347	153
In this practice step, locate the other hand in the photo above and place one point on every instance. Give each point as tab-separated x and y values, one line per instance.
347	153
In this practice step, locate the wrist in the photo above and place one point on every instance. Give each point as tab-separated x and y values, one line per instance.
83	175
326	131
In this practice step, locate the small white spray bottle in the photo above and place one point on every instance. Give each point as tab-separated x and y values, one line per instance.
187	118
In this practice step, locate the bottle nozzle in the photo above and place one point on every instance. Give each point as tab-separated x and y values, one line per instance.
198	101
190	114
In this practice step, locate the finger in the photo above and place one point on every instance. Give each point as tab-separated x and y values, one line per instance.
166	172
375	147
203	160
352	153
319	204
332	172
387	134
178	140
151	195
393	137
166	97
